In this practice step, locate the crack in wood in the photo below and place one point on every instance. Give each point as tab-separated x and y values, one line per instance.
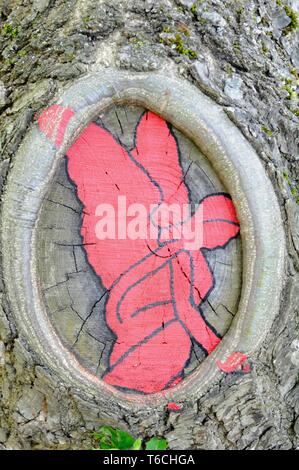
70	188
55	285
89	315
221	262
72	244
63	205
119	122
228	310
75	258
184	177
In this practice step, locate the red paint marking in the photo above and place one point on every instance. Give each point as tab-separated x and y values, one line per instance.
54	121
246	368
175	382
234	362
173	407
153	303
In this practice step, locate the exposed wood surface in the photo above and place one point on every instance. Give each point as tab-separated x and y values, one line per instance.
73	293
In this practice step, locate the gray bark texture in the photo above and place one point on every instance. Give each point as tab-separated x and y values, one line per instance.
244	55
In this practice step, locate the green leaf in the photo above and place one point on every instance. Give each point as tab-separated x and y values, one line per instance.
109	438
137	444
156	443
113	439
124	440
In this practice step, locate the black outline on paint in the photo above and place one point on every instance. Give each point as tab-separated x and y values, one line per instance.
155	253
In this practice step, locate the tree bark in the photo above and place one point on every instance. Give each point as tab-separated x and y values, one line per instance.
245	56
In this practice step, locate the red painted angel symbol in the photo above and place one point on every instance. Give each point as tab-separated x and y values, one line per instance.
155	286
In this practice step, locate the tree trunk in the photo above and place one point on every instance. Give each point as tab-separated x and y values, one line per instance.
244	55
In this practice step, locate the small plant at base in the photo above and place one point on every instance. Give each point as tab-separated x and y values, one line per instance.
109	438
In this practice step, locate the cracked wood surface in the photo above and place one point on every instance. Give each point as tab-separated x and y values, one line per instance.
73	293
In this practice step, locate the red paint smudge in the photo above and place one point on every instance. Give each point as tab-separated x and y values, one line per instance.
53	122
174	407
234	361
246	368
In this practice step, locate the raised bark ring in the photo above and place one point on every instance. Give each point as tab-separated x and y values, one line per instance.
240	170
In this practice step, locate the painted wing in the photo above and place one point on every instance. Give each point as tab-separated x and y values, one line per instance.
102	170
157	150
219	225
